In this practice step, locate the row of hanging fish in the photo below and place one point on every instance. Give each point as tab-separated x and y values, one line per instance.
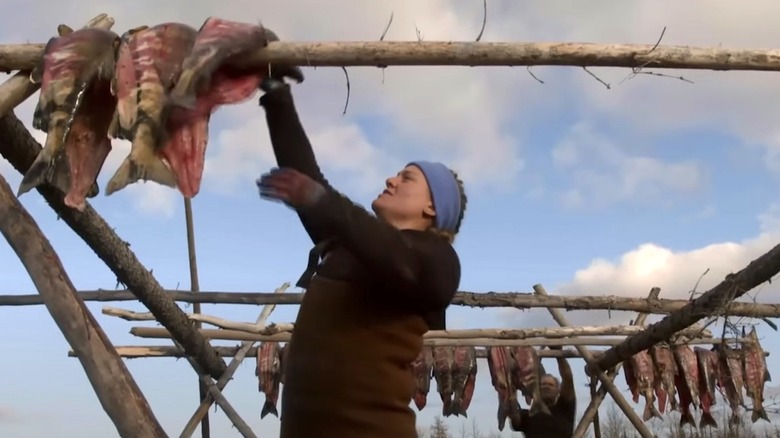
511	369
155	86
455	371
680	377
270	374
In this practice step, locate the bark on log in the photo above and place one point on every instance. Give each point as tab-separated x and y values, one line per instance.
117	391
233	335
20	149
519	300
709	303
451	53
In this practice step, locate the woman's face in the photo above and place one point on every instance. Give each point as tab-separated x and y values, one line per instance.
406	201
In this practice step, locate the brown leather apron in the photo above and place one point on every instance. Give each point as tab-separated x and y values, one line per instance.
348	372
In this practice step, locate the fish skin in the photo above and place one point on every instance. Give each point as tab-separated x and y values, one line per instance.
443	358
148	65
686	382
499	365
756	375
730	379
666	369
527	377
468	390
422	367
283	354
269	372
707	361
75	75
208	80
630	375
644	373
464	364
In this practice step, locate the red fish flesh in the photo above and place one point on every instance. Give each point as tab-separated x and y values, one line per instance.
527	377
640	377
148	65
730	379
500	364
686	382
756	375
269	372
464	369
422	368
443	359
75	74
209	79
665	369
708	374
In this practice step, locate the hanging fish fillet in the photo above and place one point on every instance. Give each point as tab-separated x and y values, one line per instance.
686	382
708	373
527	377
422	367
500	365
465	365
269	372
756	375
665	369
443	358
730	379
640	377
75	75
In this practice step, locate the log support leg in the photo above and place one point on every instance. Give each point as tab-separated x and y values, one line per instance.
641	427
203	409
592	412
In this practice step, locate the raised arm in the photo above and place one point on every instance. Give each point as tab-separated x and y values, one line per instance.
419	269
289	141
567	380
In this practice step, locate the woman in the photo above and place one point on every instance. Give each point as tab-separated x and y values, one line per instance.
384	281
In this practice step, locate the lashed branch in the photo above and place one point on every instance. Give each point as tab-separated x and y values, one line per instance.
20	149
546	332
233	335
118	393
711	302
452	53
520	300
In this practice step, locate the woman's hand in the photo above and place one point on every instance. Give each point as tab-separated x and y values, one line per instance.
291	187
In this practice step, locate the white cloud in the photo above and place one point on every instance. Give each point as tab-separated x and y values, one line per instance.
603	172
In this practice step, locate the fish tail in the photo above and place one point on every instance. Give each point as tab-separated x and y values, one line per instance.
735	419
502	415
269	408
455	406
420	400
648	413
49	167
661	395
687	418
675	406
759	413
707	420
142	164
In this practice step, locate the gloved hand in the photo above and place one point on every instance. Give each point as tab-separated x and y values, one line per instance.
291	187
279	71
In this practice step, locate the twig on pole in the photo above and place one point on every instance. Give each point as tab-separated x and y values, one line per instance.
640	426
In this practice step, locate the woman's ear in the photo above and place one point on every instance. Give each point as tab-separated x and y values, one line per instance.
429	211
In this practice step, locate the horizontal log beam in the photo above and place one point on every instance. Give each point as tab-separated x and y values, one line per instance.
520	300
545	332
158	351
459	53
707	304
234	335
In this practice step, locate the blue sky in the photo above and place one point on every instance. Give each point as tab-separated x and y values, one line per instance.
586	190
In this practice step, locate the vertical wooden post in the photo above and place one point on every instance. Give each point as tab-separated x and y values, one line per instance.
591	413
205	428
587	356
118	393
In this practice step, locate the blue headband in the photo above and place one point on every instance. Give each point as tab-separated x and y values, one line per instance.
444	191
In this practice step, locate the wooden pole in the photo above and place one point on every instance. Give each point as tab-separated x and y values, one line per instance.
459	53
238	357
203	388
709	303
428	339
592	411
633	417
118	393
20	149
520	300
